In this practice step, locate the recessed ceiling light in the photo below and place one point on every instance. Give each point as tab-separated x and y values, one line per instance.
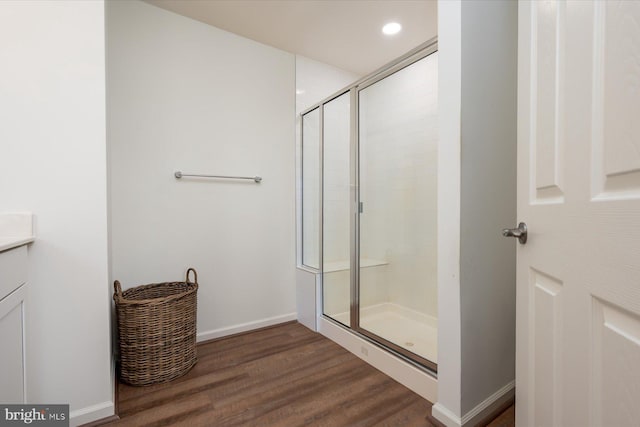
391	28
299	91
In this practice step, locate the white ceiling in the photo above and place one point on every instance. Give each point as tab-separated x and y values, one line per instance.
343	33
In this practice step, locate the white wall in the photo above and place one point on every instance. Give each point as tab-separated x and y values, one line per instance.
449	90
316	81
488	198
476	342
185	95
52	139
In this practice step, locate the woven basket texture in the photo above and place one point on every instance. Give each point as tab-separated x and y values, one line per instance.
157	330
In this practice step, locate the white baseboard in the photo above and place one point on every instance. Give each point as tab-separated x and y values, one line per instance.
445	416
244	327
478	413
406	374
114	380
91	413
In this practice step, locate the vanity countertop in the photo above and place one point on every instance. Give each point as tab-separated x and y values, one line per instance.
16	229
7	243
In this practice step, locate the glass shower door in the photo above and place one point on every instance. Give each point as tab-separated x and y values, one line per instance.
336	190
397	144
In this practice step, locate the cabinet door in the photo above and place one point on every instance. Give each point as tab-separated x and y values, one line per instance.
13	270
12	348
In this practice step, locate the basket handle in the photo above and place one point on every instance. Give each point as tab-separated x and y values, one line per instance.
195	276
117	290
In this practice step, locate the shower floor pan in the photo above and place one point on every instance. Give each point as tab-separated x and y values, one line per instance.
410	329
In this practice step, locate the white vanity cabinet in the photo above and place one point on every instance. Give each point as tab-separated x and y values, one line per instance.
13	289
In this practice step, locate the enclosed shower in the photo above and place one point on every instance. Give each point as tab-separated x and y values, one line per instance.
369	217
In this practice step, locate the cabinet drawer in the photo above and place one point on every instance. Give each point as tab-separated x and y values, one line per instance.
13	270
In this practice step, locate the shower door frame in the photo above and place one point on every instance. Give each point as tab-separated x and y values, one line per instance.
411	57
394	67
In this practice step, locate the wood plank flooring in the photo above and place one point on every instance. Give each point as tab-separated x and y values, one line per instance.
285	375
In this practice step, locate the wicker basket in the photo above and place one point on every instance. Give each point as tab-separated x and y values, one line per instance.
157	327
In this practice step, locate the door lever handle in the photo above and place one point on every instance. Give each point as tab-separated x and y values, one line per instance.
519	233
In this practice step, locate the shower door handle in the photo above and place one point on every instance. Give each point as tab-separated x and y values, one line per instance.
519	233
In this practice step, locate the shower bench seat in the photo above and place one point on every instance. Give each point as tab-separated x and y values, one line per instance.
333	266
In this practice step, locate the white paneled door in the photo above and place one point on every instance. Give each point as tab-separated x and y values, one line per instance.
578	290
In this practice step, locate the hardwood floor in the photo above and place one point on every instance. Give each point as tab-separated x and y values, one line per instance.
281	376
506	419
